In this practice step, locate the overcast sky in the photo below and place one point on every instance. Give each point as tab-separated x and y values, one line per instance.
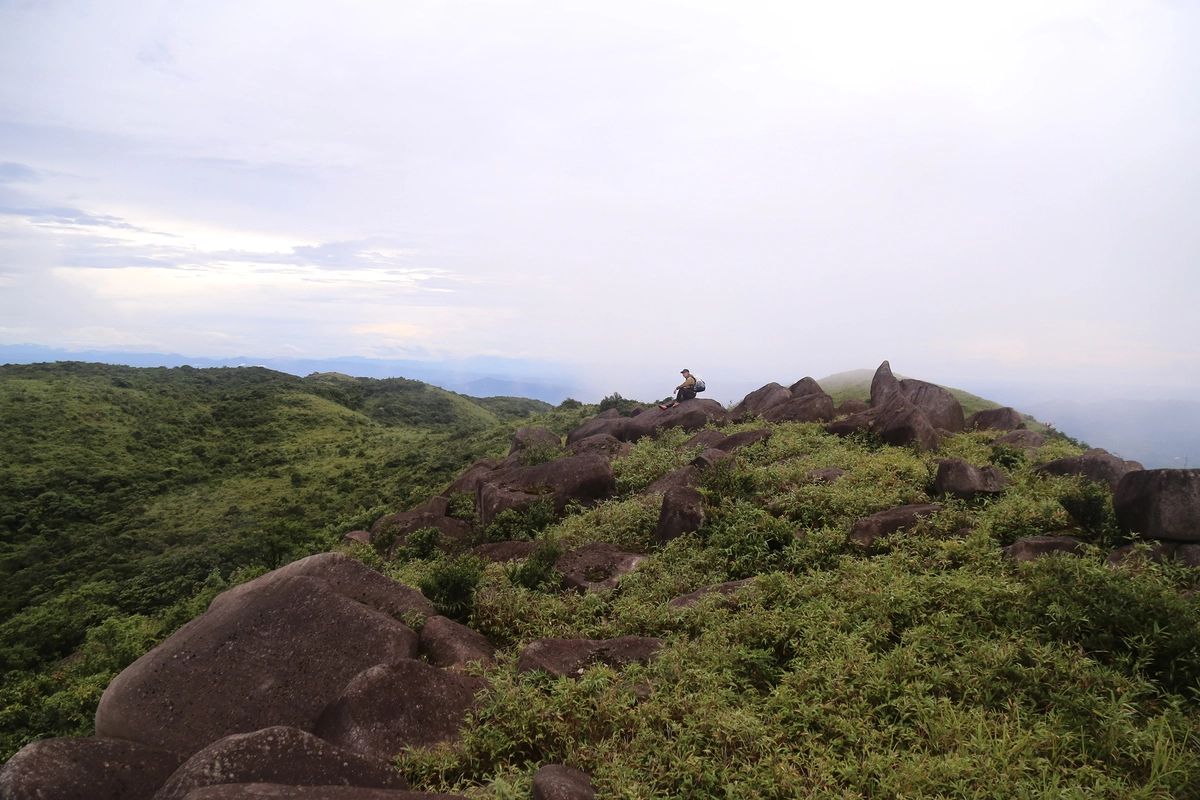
1001	191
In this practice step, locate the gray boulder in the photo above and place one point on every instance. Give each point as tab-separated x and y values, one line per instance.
449	644
586	479
884	385
745	439
557	782
570	657
994	419
1021	439
392	706
690	415
279	755
86	769
898	422
866	530
397	527
526	438
817	407
682	512
687	476
601	444
958	478
274	654
709	458
1160	503
468	482
691	599
1097	465
805	386
1034	547
850	406
597	566
939	406
760	400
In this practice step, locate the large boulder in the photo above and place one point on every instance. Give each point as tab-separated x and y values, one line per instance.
570	657
939	406
1021	439
803	408
687	476
468	482
558	782
273	654
690	415
276	791
597	566
279	755
958	478
805	386
402	704
585	479
1031	548
86	769
709	458
884	385
745	439
707	438
601	444
760	400
898	422
850	406
1160	503
1097	465
532	438
691	599
995	419
449	644
396	528
682	512
866	530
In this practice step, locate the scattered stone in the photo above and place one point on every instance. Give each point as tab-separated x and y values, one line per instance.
1021	439
505	551
1034	547
866	530
709	457
939	406
760	400
525	438
1136	555
994	419
275	653
689	600
706	438
851	406
958	478
449	644
1160	503
275	791
804	408
805	386
1096	465
597	566
745	439
86	769
557	782
570	657
682	512
586	478
688	476
884	385
280	755
402	704
825	475
468	482
601	444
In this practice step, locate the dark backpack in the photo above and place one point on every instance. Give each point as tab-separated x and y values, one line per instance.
699	387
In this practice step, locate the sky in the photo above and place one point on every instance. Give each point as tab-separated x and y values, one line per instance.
756	191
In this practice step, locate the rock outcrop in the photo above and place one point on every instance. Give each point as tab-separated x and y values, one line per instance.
1160	503
884	385
595	567
958	478
939	406
449	644
690	415
601	444
1021	439
468	482
682	512
454	533
994	419
1097	465
571	657
866	530
528	438
586	479
760	400
687	476
803	408
86	769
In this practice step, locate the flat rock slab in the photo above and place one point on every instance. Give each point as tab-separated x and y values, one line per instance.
570	657
959	478
392	706
1160	503
825	475
1097	465
558	782
691	599
682	512
505	551
275	791
596	566
279	755
275	654
86	769
687	476
448	644
1031	548
865	531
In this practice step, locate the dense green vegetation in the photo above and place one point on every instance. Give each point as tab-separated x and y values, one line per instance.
933	667
129	497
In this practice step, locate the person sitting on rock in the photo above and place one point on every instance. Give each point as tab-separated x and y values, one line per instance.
684	391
